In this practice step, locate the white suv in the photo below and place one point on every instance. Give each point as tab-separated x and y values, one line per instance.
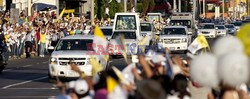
76	49
175	38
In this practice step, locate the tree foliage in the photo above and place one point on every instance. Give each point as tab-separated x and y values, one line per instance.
115	7
100	8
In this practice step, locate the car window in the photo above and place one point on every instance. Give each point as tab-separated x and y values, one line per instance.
76	44
229	26
107	32
208	26
173	31
220	27
146	27
126	22
127	35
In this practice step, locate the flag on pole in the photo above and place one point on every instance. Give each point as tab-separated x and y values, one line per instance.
121	41
111	84
96	66
61	14
199	43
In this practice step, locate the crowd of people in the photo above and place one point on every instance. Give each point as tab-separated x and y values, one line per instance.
35	34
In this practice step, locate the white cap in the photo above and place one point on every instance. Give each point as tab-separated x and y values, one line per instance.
81	86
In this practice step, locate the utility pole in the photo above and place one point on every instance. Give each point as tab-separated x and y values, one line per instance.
92	11
175	6
223	9
125	5
29	7
194	9
135	6
204	8
179	7
57	6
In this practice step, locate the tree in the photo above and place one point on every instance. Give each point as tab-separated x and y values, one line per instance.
114	7
100	8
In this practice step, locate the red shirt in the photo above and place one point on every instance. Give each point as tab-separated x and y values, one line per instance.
38	36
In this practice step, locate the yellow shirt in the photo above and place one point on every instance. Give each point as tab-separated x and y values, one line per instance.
43	38
72	32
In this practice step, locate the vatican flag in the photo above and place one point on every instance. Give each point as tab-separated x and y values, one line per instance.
199	43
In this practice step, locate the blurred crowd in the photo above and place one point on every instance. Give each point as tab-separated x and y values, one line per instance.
35	34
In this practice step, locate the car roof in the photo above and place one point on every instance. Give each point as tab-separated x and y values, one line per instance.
208	23
146	22
106	27
78	37
175	27
219	25
229	24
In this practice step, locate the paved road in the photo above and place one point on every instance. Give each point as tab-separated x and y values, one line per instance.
27	79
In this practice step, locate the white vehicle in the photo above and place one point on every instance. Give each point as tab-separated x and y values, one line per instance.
147	29
127	24
154	16
71	49
208	30
107	31
221	30
175	38
183	19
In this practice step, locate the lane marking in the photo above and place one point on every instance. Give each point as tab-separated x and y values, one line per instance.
45	62
27	66
24	82
7	70
17	67
33	97
30	88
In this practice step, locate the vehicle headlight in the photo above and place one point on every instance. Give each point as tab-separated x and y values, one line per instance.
53	60
160	40
184	40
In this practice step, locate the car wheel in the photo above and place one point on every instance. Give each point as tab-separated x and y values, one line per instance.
51	78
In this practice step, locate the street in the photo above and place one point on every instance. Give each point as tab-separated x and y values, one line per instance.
28	79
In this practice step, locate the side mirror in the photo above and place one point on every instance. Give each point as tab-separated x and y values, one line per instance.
51	49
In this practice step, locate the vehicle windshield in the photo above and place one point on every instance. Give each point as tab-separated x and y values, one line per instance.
126	22
127	35
154	17
229	26
107	32
146	27
173	31
181	23
208	26
220	27
237	23
75	44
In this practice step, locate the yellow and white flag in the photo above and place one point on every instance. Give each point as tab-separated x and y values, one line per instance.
96	66
199	43
99	39
121	42
111	84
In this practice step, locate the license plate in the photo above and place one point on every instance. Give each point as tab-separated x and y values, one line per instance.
172	48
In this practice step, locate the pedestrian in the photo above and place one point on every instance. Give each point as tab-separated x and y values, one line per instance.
28	43
43	35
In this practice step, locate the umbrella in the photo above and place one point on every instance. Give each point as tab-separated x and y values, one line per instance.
43	6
